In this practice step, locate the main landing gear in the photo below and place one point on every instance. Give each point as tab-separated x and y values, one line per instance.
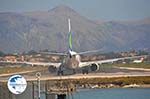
60	72
85	71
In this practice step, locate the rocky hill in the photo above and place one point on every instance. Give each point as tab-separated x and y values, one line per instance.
41	30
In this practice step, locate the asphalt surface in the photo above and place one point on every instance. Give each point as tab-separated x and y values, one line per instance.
102	73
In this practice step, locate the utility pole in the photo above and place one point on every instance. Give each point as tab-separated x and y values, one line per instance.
38	75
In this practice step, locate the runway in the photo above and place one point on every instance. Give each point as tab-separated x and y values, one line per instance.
46	76
91	75
104	72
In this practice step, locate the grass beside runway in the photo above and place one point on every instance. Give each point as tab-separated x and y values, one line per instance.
145	65
7	70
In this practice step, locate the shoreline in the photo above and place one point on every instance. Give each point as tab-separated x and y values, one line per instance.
114	86
116	82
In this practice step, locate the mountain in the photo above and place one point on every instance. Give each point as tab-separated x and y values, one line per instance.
41	30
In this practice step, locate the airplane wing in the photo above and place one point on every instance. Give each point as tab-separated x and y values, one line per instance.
89	52
43	64
51	53
83	64
33	63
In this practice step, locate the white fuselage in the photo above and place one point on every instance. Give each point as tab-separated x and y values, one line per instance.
138	61
72	61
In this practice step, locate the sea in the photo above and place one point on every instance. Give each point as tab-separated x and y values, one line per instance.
114	93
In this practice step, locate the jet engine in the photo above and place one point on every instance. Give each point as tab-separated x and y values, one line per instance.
94	67
52	69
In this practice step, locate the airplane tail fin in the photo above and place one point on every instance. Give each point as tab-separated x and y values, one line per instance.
142	59
70	35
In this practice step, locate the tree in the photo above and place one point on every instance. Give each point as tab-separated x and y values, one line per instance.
2	53
141	52
32	52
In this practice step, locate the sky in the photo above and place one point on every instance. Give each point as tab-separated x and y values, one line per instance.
92	9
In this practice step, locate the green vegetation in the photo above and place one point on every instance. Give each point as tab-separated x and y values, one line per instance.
20	69
2	53
134	65
142	52
119	81
32	52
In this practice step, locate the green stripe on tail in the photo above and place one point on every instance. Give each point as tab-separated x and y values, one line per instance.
70	40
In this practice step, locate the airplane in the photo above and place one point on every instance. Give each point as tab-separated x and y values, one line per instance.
139	61
72	60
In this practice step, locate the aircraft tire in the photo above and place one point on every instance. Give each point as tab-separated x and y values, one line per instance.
84	71
59	73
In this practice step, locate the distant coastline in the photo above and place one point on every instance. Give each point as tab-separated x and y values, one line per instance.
114	82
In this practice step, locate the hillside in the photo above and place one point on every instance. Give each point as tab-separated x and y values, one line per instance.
41	30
